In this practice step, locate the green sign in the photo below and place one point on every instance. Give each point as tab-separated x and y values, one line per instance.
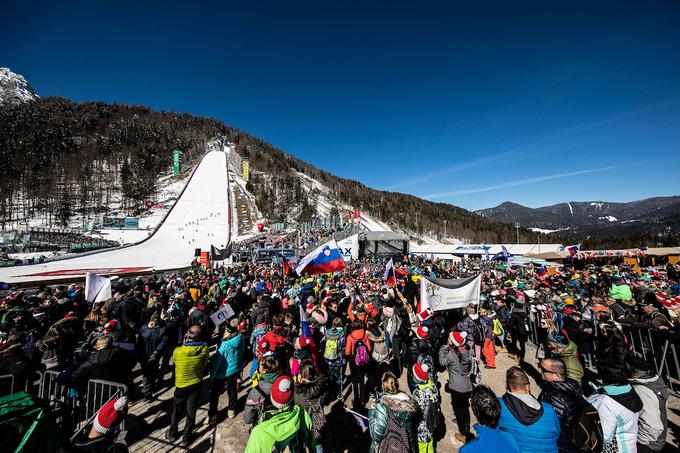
175	161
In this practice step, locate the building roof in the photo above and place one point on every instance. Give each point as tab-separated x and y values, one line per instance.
382	236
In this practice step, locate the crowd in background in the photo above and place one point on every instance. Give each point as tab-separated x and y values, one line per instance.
296	342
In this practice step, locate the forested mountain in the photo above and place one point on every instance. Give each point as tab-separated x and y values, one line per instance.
61	157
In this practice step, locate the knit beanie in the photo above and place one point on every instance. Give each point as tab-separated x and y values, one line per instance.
282	392
421	332
458	338
110	415
421	371
302	342
425	315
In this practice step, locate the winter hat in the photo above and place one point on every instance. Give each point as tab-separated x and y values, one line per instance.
110	415
302	342
243	325
282	392
111	326
458	338
557	337
421	332
420	371
425	315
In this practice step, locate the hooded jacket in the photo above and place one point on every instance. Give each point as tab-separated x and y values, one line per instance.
458	368
190	361
405	411
490	440
563	396
312	397
283	428
653	423
258	398
619	409
228	360
571	362
533	424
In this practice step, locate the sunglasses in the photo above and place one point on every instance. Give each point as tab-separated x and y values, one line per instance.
543	370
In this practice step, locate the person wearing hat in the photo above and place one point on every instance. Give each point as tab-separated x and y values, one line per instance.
566	351
652	390
287	425
190	361
456	358
151	343
418	351
109	416
427	396
226	369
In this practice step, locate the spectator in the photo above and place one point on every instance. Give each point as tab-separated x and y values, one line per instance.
226	369
653	423
392	417
287	425
358	352
565	350
532	423
312	393
190	361
563	393
489	438
427	397
151	343
455	357
258	396
107	363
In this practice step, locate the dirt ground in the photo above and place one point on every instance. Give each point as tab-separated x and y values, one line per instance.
147	422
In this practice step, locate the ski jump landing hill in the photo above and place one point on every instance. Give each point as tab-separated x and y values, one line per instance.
200	218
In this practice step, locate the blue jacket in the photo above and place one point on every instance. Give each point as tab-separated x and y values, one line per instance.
540	433
228	359
489	439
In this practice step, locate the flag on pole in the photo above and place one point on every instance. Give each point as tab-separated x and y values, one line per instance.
305	331
326	258
390	277
573	249
220	254
97	288
285	266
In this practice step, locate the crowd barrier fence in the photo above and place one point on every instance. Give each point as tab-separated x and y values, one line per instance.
653	345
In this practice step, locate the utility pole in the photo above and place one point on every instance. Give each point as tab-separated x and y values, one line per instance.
517	228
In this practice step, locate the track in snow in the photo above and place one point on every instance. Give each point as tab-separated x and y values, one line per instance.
198	219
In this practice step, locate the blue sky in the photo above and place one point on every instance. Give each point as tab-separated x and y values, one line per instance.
533	102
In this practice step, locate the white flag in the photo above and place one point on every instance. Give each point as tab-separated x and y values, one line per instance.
97	288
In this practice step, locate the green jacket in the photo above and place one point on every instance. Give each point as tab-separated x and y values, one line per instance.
406	413
620	292
283	428
571	362
190	361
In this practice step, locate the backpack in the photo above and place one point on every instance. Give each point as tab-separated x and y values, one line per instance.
381	352
330	351
478	331
475	371
586	432
497	327
395	439
361	357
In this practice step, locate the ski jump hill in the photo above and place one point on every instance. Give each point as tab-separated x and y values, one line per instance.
199	218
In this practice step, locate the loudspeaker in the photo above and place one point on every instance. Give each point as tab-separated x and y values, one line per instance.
197	252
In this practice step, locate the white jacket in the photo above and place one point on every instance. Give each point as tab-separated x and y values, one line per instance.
653	422
619	422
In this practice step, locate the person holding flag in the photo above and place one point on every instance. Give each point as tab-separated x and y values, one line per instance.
390	276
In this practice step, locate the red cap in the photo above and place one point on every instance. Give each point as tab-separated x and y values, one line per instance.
282	392
111	414
421	371
458	338
421	332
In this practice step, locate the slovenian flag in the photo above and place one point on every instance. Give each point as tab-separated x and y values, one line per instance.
390	277
324	259
305	331
573	249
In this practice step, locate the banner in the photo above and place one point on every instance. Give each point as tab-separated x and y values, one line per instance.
97	288
222	315
246	170
444	294
349	248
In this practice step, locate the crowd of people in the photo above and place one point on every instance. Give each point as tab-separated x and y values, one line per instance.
297	343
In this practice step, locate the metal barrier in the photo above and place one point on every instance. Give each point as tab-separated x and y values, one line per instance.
650	344
6	384
99	393
63	400
9	384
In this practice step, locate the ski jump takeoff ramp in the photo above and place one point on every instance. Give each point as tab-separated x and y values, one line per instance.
198	219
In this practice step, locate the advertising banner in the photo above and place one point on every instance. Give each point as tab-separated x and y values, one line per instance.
349	247
445	294
246	170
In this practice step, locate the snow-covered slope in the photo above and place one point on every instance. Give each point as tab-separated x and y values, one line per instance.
198	219
14	88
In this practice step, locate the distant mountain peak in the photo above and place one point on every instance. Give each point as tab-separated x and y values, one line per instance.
14	88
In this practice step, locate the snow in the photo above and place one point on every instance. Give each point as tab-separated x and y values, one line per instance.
611	218
200	214
545	230
570	208
14	88
597	204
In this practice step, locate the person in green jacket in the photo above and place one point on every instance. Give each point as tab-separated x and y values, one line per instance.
566	351
285	427
190	361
